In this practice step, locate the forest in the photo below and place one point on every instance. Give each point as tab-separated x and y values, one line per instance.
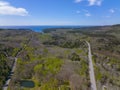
57	59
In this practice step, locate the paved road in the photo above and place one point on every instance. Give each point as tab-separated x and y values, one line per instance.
91	69
5	87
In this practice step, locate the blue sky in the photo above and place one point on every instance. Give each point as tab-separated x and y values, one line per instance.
59	12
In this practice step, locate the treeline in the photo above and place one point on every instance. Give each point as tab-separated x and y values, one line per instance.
64	42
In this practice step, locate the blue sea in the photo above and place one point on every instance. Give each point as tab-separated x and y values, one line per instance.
38	28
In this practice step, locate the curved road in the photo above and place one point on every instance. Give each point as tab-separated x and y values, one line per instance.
5	87
91	69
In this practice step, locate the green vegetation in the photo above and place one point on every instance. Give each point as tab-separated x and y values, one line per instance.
84	68
4	69
74	57
57	59
48	66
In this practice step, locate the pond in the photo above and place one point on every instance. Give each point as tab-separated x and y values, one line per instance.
27	84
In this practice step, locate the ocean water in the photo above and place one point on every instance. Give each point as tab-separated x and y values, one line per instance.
37	28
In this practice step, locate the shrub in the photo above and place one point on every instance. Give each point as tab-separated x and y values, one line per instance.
74	57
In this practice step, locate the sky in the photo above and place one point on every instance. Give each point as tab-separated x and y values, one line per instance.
59	12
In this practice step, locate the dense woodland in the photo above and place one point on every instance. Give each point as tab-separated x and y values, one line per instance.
57	59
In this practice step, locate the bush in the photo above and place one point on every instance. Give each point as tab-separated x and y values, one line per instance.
74	57
49	66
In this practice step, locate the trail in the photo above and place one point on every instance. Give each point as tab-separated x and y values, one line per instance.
91	68
5	87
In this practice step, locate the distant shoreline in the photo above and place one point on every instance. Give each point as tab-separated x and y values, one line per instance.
41	28
38	28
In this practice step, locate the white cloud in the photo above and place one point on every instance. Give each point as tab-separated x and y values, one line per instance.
91	2
7	9
88	14
95	2
78	1
112	10
84	12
